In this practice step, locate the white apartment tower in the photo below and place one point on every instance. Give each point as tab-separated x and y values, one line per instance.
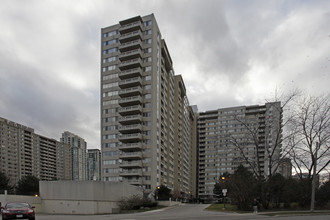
244	135
138	107
23	153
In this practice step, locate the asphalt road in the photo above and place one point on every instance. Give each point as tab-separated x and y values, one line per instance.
182	212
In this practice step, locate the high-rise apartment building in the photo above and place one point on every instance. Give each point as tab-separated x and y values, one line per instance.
185	124
93	164
23	153
78	155
229	137
142	102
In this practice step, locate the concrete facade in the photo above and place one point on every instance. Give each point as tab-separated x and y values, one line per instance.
78	148
24	152
93	164
141	98
84	197
243	135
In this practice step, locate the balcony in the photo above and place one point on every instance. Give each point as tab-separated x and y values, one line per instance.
134	100
130	45
130	128
131	164
130	137
131	36
130	27
132	54
133	91
136	81
135	109
131	172
135	182
130	146
131	155
131	119
129	64
130	73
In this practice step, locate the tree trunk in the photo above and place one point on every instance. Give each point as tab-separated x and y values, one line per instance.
314	179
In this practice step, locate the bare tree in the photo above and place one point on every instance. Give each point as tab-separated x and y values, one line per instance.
310	138
264	136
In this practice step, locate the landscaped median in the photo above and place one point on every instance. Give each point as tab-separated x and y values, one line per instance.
233	208
289	213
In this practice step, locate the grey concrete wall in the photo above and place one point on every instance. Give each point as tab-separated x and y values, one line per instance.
79	207
84	197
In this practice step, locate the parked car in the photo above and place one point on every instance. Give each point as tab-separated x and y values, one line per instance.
18	210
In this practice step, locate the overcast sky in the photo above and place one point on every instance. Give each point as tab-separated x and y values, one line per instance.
229	53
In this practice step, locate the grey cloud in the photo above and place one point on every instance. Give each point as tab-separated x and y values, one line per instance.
50	54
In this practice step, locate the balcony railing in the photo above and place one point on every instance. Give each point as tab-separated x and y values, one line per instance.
130	55
131	26
137	90
131	173
129	64
136	81
129	73
130	128
130	45
134	100
134	35
130	146
130	137
130	155
131	119
135	109
130	164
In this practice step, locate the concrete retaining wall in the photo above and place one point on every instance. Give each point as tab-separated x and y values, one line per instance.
84	197
79	207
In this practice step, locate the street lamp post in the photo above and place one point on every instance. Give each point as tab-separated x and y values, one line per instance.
157	189
224	192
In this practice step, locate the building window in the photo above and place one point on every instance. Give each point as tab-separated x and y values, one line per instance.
112	93
110	85
110	110
146	114
110	119
147	96
148	41
112	67
110	145
147	68
147	32
147	78
110	162
111	76
111	33
147	50
110	59
148	59
110	42
147	23
111	50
